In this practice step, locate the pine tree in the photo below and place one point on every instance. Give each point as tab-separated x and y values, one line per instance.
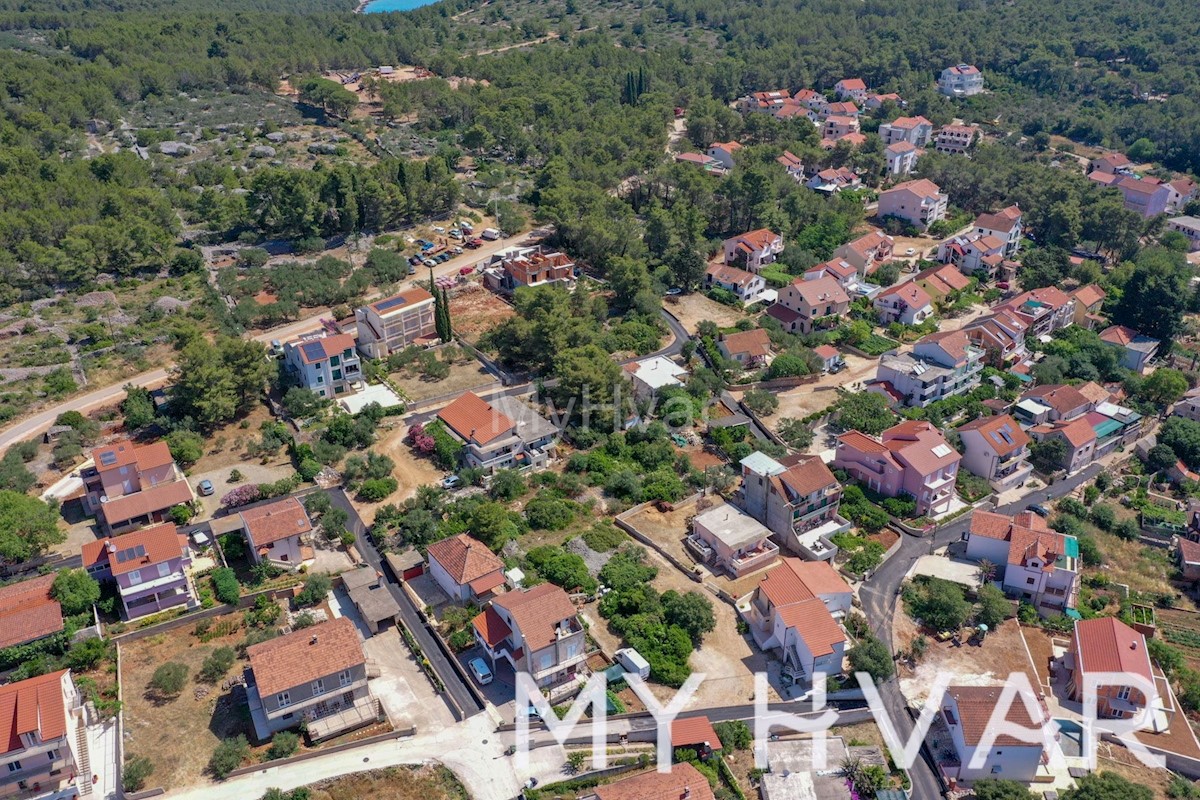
449	334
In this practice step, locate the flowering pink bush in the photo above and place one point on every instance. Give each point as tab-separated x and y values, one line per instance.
247	493
421	441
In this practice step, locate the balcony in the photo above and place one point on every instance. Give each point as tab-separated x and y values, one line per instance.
936	482
762	554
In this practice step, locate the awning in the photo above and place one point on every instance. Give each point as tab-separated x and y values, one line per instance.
1072	613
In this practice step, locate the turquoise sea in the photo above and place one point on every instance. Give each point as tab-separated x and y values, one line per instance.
394	5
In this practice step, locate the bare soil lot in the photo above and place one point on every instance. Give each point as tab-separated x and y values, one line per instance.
464	374
813	397
429	782
692	309
410	470
178	736
474	310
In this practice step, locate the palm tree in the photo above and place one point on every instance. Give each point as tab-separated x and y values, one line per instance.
987	570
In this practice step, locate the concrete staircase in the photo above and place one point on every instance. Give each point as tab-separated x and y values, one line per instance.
84	782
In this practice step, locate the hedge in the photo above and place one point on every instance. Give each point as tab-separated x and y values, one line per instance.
225	583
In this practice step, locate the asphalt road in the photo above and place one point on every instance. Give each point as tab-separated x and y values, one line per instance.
462	701
880	593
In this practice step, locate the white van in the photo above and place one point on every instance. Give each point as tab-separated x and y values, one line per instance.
491	234
633	662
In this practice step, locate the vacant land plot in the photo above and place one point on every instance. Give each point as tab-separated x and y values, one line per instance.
692	309
813	397
475	310
668	529
430	782
1181	629
410	470
465	373
178	736
1000	654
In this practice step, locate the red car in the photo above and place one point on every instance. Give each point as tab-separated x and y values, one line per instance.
466	270
1002	285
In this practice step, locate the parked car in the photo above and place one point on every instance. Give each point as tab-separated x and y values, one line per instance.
438	229
466	270
912	251
837	367
455	233
205	488
451	482
429	262
412	269
529	711
480	670
673	291
1002	285
458	251
1038	509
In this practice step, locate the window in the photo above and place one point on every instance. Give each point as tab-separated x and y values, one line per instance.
344	678
996	769
337	374
1123	693
53	755
1029	581
318	686
283	699
320	379
164	569
14	766
348	698
335	361
135	577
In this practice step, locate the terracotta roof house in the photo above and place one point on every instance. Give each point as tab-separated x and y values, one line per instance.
942	281
867	253
1044	310
1147	197
917	131
996	449
1079	437
695	733
1088	300
1033	563
974	253
753	250
393	323
748	348
1005	225
465	569
851	89
1187	554
683	782
955	139
940	365
763	102
1111	164
40	718
797	498
1001	336
833	180
534	630
906	303
913	458
795	609
874	100
324	363
961	80
746	285
131	485
497	434
1138	350
836	127
722	152
1108	645
150	567
277	533
28	612
901	157
967	711
1065	402
828	354
920	203
316	676
792	163
813	300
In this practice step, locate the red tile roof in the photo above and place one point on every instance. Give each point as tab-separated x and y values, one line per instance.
755	343
757	239
125	453
1061	397
807	475
465	559
276	521
473	419
730	275
1105	644
1088	295
300	657
795	581
822	291
943	279
953	343
1077	432
976	704
864	244
1045	546
917	444
1118	334
1004	220
1189	551
694	730
34	705
409	297
147	501
159	544
851	84
28	612
491	627
1002	433
922	187
537	612
909	123
814	624
782	313
826	351
910	292
683	782
331	346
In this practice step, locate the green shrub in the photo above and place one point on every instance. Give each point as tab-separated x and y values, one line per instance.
228	756
373	490
169	679
87	654
283	744
316	587
226	585
137	769
216	665
604	536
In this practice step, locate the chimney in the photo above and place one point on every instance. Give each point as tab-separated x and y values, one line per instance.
687	792
110	547
313	640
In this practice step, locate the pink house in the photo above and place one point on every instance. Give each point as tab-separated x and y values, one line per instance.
920	203
867	252
906	303
149	566
913	458
838	127
1147	196
809	301
131	485
753	250
917	131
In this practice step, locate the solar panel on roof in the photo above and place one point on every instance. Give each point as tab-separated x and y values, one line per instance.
313	351
108	458
390	303
131	553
